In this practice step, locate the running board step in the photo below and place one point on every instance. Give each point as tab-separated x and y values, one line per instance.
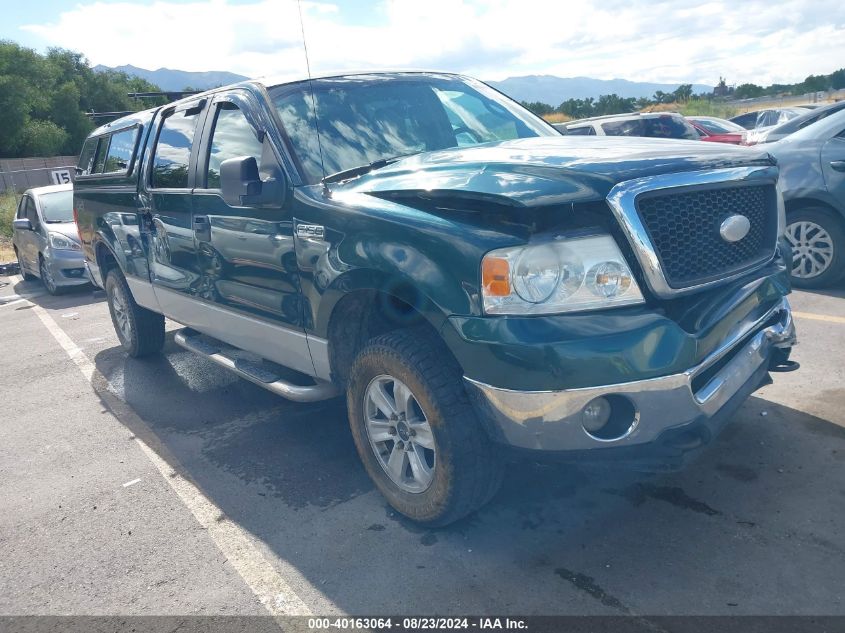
216	351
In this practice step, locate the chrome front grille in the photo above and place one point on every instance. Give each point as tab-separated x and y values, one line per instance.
674	223
684	228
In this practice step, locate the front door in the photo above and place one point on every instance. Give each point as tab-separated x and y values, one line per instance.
245	254
166	201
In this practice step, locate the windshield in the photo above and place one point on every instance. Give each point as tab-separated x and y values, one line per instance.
714	126
799	123
366	118
57	206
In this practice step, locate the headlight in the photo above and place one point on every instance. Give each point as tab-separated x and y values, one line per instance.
63	242
583	273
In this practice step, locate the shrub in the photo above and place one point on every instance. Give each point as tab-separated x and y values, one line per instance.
8	206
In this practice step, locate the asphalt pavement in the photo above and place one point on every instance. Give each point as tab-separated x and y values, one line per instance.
170	486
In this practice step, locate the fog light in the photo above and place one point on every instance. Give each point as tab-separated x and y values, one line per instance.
595	415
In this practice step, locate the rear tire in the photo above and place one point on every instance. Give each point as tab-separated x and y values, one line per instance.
462	469
817	237
26	276
140	331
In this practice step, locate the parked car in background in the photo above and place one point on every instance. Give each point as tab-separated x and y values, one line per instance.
718	130
812	179
777	132
768	117
45	239
649	124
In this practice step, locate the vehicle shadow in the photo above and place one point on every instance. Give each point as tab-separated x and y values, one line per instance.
558	539
71	297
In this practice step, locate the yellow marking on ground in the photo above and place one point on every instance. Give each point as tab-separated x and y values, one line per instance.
819	317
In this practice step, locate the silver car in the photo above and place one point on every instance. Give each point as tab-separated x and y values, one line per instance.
45	239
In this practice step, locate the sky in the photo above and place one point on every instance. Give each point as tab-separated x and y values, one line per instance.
671	41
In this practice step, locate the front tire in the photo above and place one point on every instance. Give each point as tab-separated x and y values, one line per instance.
140	331
817	238
47	276
416	432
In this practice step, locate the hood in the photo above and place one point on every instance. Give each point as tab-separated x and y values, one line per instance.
65	228
544	171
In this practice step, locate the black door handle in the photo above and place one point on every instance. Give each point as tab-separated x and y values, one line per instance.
202	228
838	165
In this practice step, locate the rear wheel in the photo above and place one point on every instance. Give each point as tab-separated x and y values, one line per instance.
46	274
140	331
416	432
817	238
26	276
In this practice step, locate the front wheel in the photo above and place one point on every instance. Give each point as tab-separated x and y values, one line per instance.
416	432
140	331
47	276
817	238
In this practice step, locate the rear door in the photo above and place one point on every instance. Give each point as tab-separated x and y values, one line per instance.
166	202
245	254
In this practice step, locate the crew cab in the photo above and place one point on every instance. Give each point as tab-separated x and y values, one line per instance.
470	280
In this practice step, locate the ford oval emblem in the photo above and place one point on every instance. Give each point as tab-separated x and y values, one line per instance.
734	228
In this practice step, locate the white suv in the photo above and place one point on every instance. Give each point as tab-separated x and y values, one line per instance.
652	124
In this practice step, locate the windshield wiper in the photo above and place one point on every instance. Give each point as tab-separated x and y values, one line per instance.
354	172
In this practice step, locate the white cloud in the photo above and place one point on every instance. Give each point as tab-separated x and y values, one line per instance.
672	41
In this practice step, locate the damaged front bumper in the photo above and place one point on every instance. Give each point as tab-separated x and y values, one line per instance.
677	412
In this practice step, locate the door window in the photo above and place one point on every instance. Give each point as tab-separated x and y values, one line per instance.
32	213
102	150
120	151
233	137
172	154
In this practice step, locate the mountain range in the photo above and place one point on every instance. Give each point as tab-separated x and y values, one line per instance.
555	90
175	80
546	88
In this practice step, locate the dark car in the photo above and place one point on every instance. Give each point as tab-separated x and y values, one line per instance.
470	281
812	168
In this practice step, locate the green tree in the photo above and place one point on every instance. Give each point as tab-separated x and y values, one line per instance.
682	93
42	138
748	91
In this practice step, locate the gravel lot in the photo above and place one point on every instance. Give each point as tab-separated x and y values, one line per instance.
169	486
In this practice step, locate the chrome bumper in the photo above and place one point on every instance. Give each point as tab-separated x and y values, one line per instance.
551	420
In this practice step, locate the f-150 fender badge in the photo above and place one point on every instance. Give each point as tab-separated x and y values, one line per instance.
313	231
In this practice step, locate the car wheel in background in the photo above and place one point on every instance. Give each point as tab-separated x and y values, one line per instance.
26	276
47	276
817	238
415	430
140	331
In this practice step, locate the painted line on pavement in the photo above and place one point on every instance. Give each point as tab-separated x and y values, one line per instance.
273	591
819	317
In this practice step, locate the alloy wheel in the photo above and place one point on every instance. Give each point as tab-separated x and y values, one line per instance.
400	434
120	310
47	277
812	249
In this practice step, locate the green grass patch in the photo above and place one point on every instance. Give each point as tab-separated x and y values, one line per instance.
703	107
8	206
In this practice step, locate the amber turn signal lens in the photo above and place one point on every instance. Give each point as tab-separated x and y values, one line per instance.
495	277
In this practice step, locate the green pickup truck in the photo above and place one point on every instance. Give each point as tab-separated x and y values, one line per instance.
475	283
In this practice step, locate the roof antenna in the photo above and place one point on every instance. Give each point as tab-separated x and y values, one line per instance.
313	99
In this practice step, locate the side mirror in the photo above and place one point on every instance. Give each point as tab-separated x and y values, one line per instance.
22	224
241	184
239	179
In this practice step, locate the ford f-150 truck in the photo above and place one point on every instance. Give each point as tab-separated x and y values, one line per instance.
470	279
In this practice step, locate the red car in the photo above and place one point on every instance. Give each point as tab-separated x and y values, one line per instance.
718	130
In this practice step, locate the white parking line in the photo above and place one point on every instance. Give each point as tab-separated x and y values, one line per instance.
273	591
